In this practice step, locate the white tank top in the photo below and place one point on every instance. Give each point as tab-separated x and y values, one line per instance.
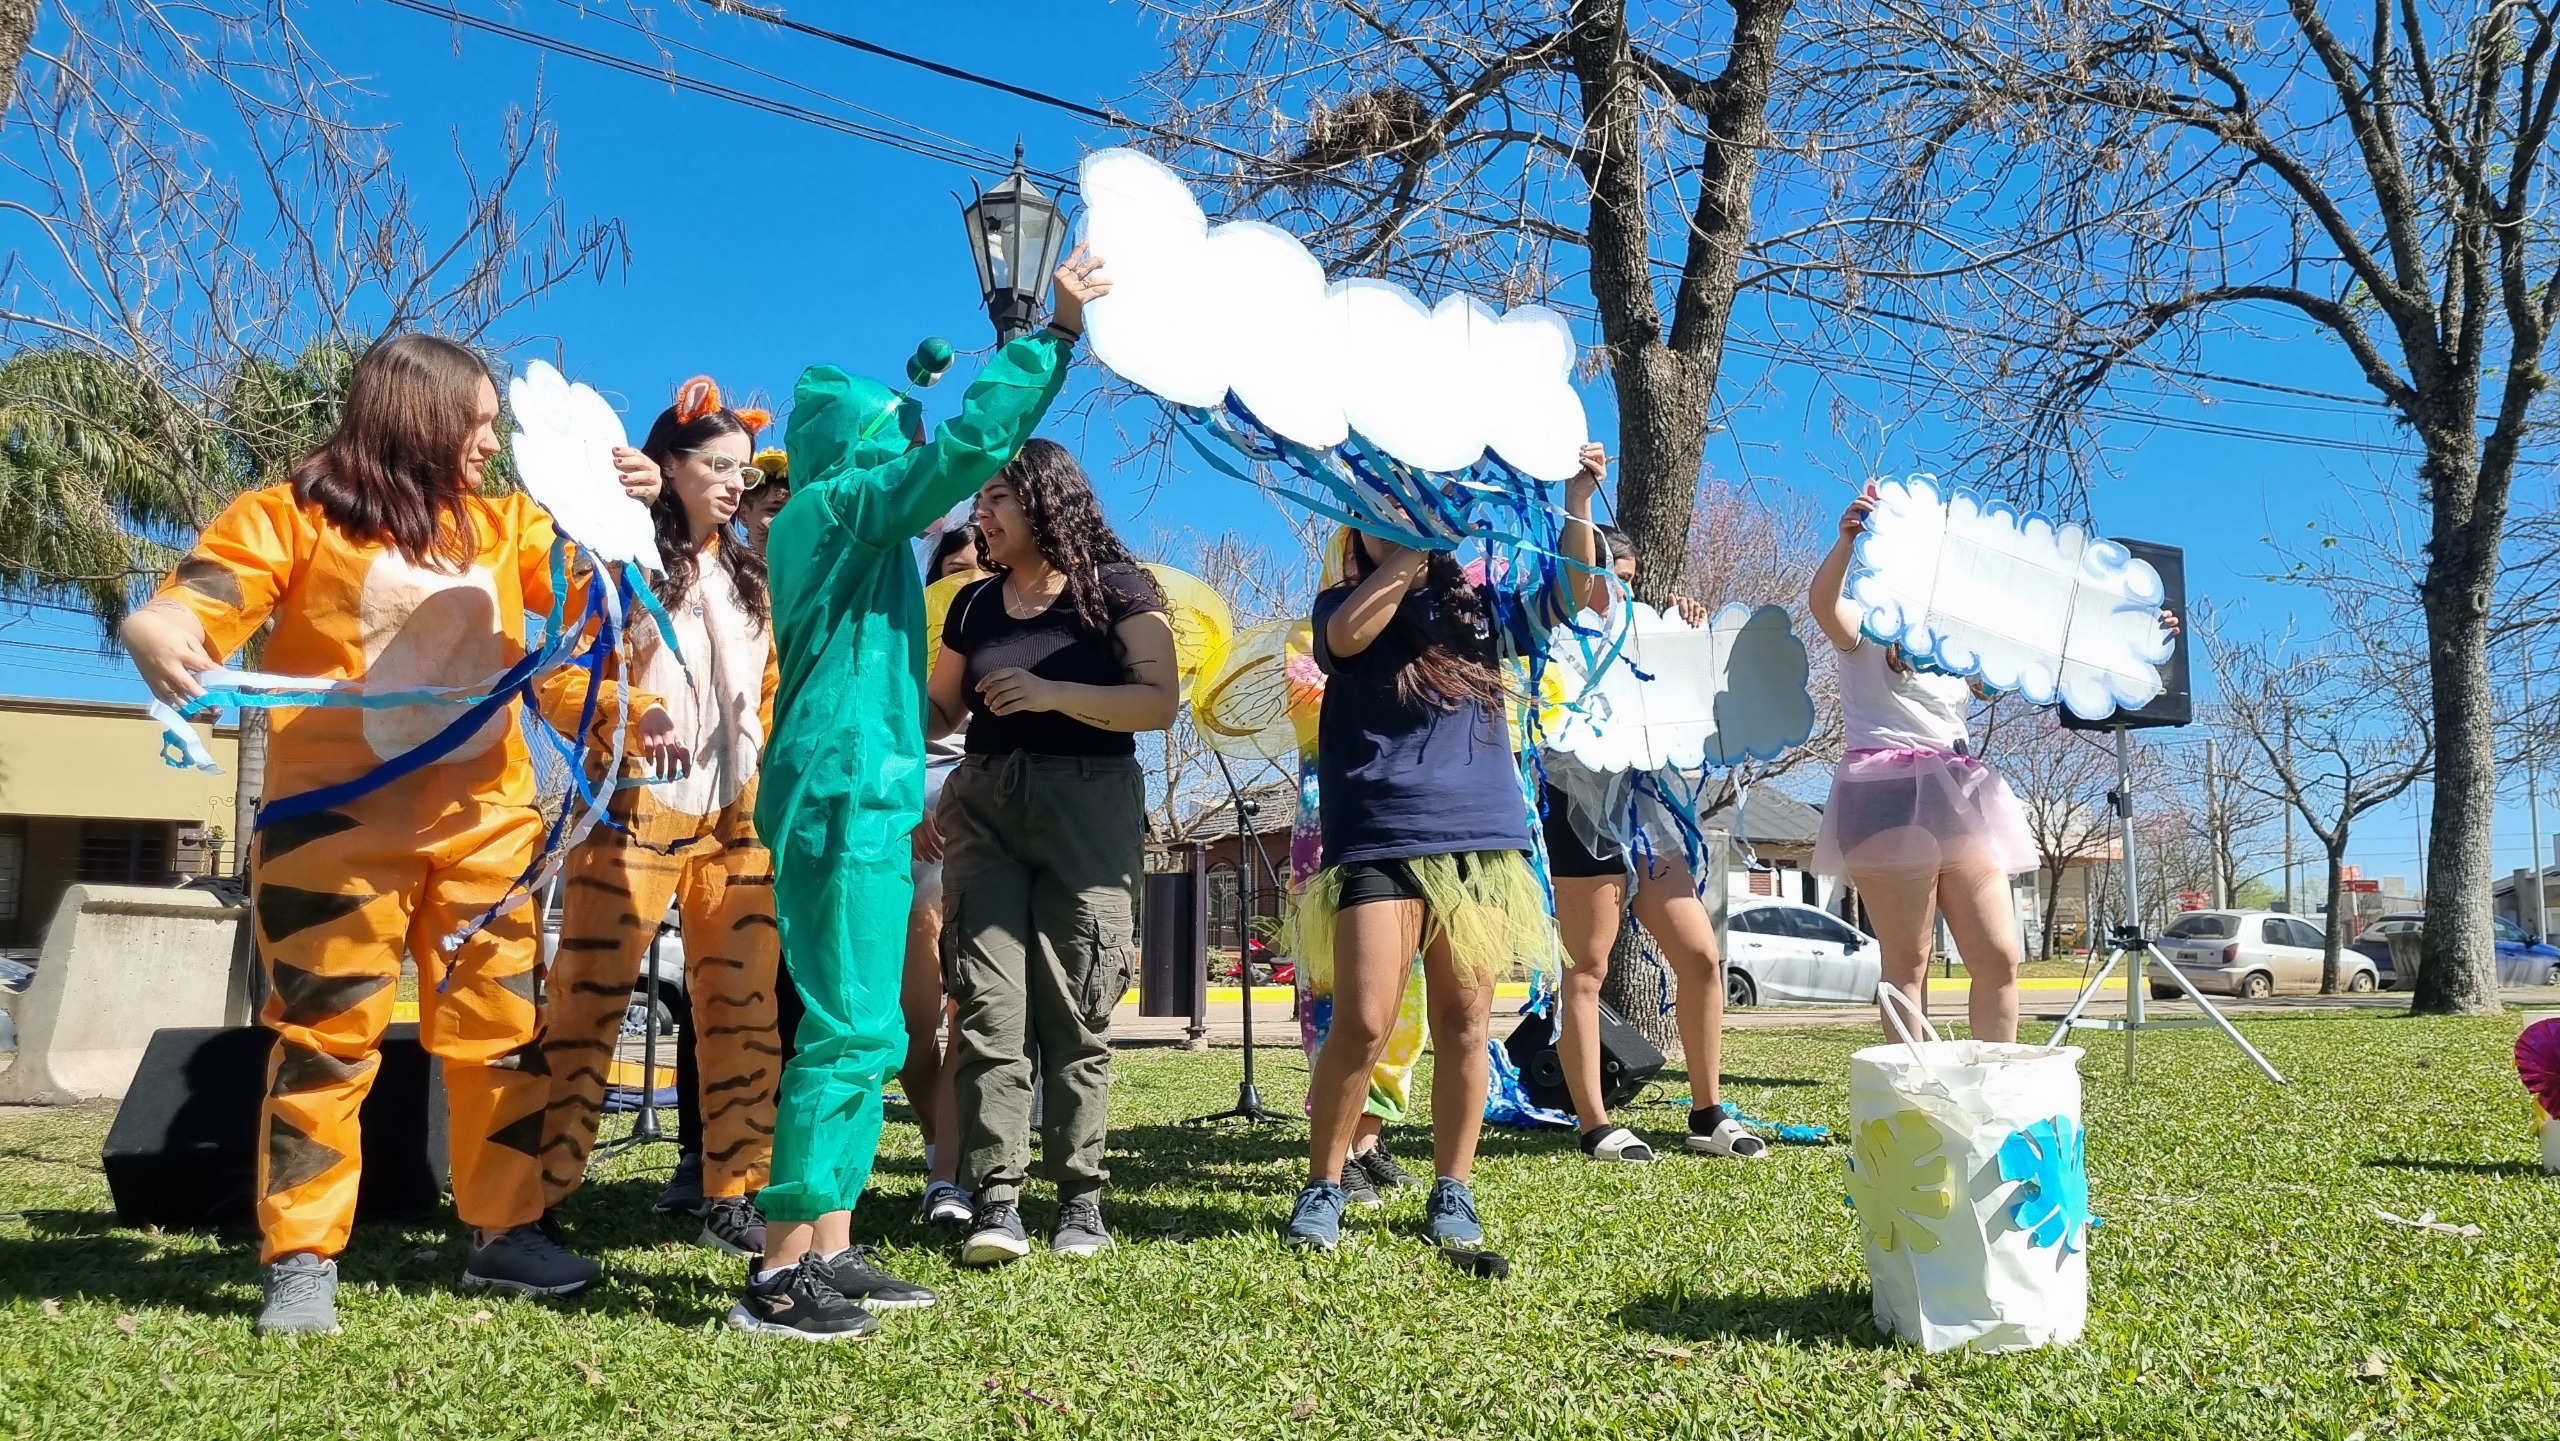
1881	709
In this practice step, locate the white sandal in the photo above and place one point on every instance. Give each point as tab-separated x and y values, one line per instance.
1730	1139
1615	1143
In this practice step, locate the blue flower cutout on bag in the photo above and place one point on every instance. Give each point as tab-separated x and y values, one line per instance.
2053	1202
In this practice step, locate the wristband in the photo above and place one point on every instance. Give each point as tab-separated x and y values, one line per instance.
1064	334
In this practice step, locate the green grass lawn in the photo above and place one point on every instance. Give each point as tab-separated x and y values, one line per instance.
2240	1287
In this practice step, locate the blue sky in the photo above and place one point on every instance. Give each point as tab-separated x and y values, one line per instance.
761	244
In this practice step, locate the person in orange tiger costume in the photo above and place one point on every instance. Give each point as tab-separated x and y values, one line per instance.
692	841
381	561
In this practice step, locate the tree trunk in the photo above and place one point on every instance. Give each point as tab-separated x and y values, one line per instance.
17	31
2052	913
2458	974
2337	897
1638	980
249	784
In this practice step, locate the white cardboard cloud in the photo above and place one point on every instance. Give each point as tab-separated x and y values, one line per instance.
1978	589
1688	696
1196	311
563	449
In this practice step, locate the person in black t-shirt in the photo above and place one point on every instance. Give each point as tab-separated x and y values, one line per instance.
1056	661
1426	841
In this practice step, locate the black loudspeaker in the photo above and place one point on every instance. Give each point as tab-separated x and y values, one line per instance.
2173	706
1627	1061
183	1151
1173	959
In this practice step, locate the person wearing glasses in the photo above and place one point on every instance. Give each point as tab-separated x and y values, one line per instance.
691	841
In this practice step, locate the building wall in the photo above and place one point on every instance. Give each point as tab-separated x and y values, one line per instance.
82	784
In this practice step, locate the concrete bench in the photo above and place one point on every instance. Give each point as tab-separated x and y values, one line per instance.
119	963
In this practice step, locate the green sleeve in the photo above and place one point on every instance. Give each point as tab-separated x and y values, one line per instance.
1002	408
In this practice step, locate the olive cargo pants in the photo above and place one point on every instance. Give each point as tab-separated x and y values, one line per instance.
1040	871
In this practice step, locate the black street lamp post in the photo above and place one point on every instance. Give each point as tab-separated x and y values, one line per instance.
1016	234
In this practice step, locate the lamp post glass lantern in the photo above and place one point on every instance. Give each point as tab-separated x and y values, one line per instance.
1016	234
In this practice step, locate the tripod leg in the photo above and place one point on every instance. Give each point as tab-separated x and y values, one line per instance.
2088	993
2218	1018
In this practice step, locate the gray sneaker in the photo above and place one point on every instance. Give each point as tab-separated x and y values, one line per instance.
529	1261
302	1297
995	1235
1079	1231
733	1225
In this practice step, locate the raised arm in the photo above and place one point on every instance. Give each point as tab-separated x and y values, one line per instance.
1831	609
1583	588
1363	615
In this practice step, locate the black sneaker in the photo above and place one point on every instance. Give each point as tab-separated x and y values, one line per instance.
856	1275
682	1195
800	1302
1382	1168
995	1235
1079	1231
528	1261
1357	1188
732	1225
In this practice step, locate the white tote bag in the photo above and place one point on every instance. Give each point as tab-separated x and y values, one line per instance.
1967	1173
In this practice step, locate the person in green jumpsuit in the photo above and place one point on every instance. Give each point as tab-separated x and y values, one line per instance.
843	781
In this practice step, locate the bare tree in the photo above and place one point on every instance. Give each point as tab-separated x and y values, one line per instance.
2148	171
1493	146
205	235
2333	735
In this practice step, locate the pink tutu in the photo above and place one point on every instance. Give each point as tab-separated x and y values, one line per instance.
1914	812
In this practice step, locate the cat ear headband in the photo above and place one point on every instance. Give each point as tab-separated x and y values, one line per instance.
700	396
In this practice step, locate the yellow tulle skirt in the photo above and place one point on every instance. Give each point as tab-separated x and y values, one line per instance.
1488	905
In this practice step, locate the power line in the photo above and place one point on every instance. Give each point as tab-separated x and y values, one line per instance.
668	75
953	72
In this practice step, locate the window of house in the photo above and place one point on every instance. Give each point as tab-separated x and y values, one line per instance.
124	853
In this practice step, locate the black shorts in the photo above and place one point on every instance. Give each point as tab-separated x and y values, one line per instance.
1390	880
1566	854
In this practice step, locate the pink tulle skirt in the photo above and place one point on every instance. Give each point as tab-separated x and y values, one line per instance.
1915	812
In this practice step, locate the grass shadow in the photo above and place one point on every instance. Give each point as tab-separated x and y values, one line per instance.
1836	1314
2459	1168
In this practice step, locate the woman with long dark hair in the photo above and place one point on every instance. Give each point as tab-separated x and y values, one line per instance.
1426	842
381	560
691	841
1056	660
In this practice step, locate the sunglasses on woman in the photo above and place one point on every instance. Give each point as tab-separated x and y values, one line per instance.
724	466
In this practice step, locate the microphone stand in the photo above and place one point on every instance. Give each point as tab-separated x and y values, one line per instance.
1248	1107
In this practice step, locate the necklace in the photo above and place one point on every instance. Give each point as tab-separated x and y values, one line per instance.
1039	602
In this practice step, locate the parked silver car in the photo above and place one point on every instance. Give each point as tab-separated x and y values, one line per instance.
2254	954
1782	953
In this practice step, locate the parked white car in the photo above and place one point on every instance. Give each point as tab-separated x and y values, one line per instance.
1783	953
2254	954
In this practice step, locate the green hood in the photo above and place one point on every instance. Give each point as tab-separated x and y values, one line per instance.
839	423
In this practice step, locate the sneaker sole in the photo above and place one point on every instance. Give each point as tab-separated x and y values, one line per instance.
1370	1199
1297	1242
883	1303
1475	1261
332	1329
714	1241
742	1319
993	1253
1080	1248
523	1288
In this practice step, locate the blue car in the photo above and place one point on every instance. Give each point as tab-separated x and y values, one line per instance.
2522	960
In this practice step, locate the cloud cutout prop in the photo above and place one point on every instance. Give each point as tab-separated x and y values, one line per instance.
1979	590
1687	696
563	449
1199	311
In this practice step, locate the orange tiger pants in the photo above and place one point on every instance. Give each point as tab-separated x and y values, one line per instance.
339	895
618	886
